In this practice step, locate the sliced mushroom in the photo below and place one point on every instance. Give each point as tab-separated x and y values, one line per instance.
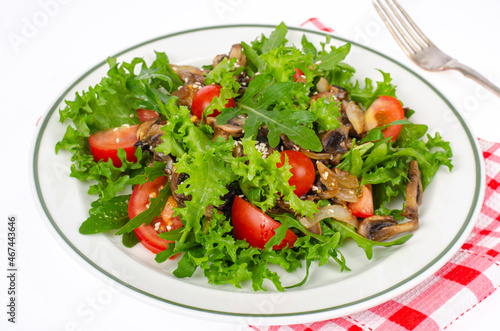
186	93
335	141
414	190
333	158
233	128
355	116
191	78
218	59
236	51
175	181
383	227
149	135
329	92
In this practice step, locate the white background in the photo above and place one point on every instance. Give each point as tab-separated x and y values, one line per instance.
45	45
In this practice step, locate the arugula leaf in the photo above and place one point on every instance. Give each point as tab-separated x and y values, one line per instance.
261	94
347	231
329	61
130	239
106	215
276	39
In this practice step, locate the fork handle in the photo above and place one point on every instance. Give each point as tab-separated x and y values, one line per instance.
473	74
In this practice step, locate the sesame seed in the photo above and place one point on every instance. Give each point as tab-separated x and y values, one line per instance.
126	125
131	115
115	129
318	62
174	68
117	140
325	175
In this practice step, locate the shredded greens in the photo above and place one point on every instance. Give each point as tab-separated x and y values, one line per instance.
272	100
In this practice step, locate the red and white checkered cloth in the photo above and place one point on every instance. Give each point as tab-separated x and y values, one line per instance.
467	279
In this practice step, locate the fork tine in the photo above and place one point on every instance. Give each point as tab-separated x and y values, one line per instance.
421	43
402	39
413	25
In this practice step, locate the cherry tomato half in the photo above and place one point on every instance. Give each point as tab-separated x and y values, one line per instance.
303	172
146	114
364	206
383	111
139	202
204	97
299	76
104	144
252	225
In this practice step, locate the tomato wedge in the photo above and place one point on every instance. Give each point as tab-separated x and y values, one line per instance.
364	206
139	202
383	111
204	97
252	225
303	172
146	114
104	144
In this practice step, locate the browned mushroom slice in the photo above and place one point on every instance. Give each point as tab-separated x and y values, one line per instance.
329	92
149	134
233	128
333	158
190	78
335	141
237	52
175	181
414	190
186	93
218	59
383	227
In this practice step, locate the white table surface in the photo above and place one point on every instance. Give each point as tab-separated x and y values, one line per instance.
39	61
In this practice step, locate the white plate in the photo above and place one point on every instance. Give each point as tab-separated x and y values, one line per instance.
450	206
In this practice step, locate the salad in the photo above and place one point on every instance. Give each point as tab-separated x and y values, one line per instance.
273	154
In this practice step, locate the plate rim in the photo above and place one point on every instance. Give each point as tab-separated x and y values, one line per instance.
369	301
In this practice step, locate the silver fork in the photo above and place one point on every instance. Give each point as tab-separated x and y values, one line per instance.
419	48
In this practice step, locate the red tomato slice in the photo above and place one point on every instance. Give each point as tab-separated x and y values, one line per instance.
139	202
146	114
303	172
364	206
204	97
299	76
104	144
252	225
383	111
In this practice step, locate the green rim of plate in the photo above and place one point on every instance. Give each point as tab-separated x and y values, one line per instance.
472	140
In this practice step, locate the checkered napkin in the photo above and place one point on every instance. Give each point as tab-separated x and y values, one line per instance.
467	279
